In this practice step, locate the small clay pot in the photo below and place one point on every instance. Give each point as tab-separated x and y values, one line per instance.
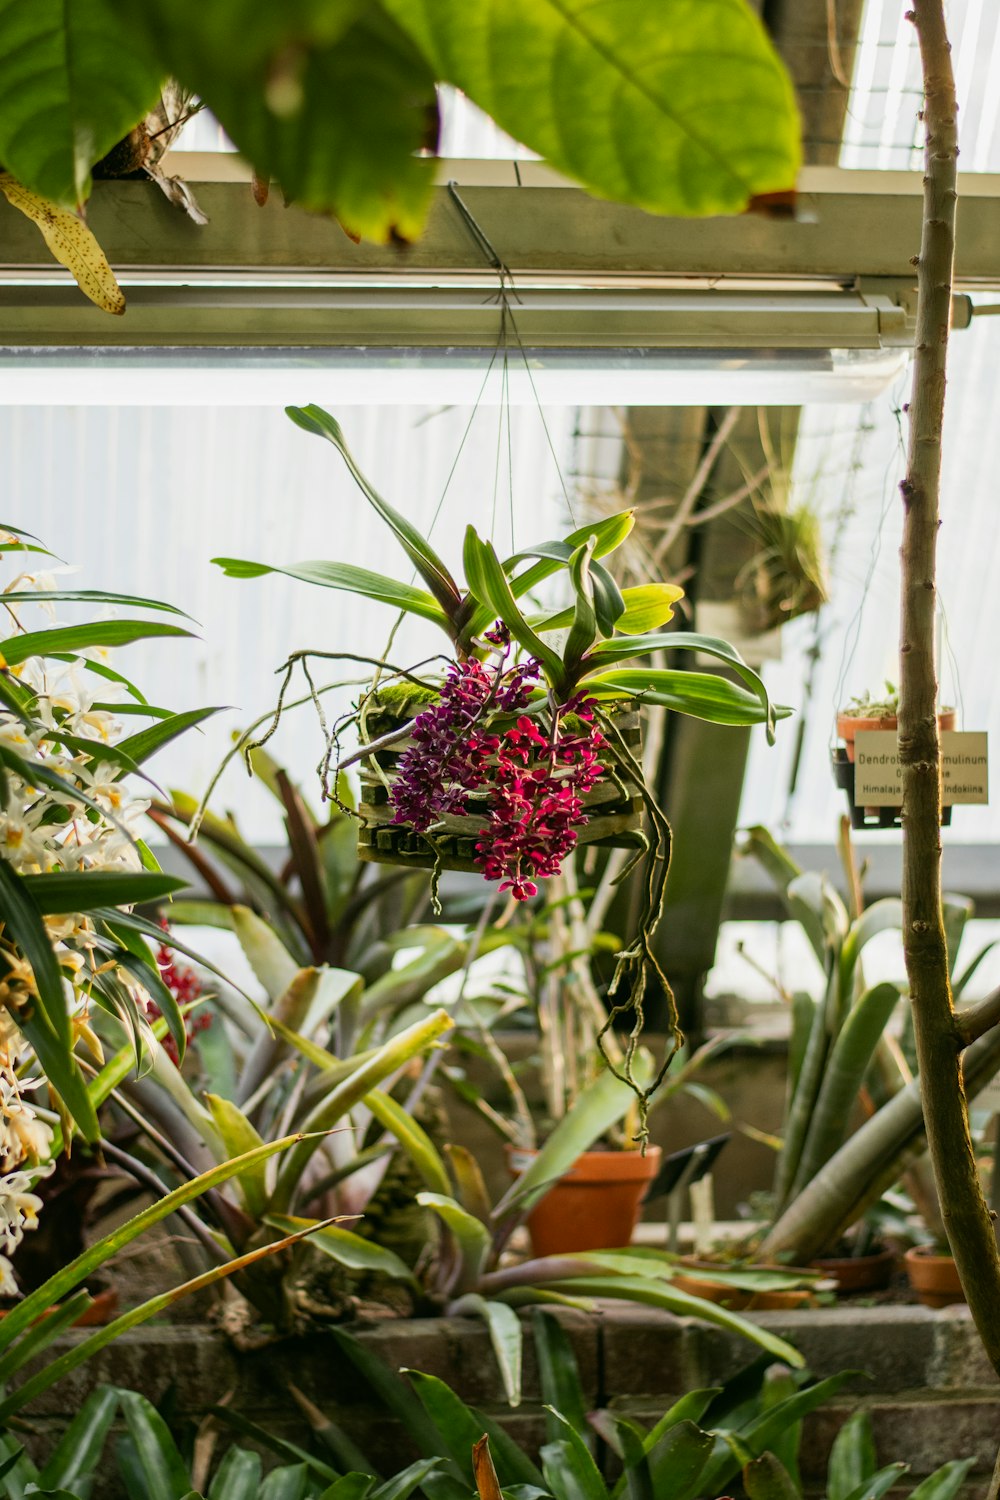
848	727
738	1299
858	1273
595	1206
933	1277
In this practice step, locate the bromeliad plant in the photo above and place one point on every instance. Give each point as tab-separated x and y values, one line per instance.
827	1178
510	751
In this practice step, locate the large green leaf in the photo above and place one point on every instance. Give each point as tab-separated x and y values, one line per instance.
681	107
352	580
73	638
71	86
606	653
460	1426
569	1468
329	96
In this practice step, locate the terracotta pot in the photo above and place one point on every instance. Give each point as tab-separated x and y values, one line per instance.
848	726
736	1298
858	1273
595	1206
933	1277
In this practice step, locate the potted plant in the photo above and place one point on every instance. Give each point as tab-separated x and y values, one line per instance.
827	1177
933	1274
523	746
862	715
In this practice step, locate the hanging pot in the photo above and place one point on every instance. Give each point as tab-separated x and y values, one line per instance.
614	805
595	1206
848	728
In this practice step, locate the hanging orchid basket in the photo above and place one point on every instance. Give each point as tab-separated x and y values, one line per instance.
528	742
517	773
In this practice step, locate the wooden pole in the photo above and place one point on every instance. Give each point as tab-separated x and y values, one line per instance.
939	1041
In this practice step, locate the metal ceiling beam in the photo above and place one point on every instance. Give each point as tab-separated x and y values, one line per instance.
388	317
849	226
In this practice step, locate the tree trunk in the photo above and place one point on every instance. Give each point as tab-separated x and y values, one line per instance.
966	1216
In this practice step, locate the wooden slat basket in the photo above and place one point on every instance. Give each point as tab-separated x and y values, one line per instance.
614	805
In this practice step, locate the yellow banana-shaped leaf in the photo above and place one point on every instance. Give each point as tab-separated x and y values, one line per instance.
71	242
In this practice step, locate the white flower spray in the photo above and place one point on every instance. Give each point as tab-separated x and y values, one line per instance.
42	830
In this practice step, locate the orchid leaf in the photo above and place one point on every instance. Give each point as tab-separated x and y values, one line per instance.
74	638
420	552
351	580
64	891
488	581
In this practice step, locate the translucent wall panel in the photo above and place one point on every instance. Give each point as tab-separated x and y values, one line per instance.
140	499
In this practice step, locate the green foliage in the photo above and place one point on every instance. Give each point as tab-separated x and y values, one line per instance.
677	108
49	756
72	84
152	1466
825	1178
336	99
605	628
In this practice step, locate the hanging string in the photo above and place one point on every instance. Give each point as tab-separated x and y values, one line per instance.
505	292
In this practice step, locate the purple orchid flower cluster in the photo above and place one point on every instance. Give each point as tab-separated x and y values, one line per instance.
536	780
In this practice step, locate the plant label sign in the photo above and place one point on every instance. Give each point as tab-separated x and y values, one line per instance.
878	774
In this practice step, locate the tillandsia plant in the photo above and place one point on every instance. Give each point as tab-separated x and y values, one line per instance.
519	740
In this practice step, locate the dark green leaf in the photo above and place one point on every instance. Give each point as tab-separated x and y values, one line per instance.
71	86
88	890
459	1426
766	1478
677	1459
237	1477
330	97
24	926
569	1469
852	1457
559	1374
164	1473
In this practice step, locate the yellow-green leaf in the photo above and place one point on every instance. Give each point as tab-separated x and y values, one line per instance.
71	242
